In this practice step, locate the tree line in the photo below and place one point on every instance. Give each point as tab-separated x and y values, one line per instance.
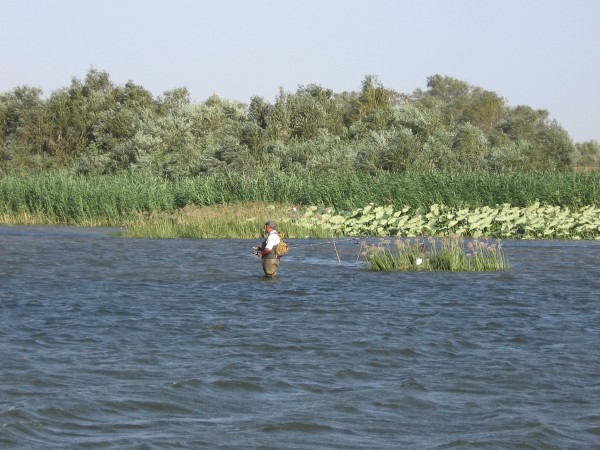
96	127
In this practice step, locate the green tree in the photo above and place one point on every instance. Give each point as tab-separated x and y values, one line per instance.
173	99
372	109
3	121
555	149
116	124
524	122
162	145
94	126
400	153
449	95
23	129
423	122
279	118
548	147
588	155
484	110
470	148
80	114
461	102
258	111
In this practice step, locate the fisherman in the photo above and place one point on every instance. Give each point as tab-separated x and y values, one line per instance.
267	251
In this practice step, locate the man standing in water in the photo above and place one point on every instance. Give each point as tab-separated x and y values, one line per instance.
267	253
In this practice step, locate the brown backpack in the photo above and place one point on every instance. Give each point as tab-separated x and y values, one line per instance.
282	248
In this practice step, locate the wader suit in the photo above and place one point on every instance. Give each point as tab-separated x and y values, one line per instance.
268	253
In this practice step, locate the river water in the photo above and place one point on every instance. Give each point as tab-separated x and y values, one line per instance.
172	343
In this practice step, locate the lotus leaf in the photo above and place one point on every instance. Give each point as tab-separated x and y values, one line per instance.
402	221
566	225
507	216
536	220
337	219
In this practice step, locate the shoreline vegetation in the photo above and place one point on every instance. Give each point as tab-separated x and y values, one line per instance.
450	161
428	235
472	205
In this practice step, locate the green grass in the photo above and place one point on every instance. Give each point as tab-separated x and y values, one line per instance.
61	198
238	220
451	254
110	200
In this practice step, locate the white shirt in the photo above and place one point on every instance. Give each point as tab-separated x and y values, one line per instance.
272	240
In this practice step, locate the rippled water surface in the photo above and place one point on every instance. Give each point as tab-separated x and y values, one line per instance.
133	343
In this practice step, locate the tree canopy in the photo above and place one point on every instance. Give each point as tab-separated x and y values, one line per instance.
96	127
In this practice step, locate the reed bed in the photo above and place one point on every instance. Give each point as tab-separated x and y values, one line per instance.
452	254
65	199
111	200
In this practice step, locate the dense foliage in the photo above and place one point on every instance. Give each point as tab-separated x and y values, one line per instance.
108	198
505	221
94	127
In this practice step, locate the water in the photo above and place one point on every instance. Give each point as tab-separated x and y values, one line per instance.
150	344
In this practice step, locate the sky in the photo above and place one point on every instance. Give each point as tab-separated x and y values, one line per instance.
540	53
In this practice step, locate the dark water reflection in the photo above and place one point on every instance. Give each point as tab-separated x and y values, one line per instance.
119	343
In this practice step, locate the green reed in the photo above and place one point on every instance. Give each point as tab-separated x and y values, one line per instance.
451	254
108	200
62	198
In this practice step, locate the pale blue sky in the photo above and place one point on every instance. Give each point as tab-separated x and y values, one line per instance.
541	53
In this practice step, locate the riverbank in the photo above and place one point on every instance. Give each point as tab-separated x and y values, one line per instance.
509	205
246	220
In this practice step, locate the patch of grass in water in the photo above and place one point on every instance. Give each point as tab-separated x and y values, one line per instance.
452	254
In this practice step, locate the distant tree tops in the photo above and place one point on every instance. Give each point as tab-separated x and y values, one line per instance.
96	127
